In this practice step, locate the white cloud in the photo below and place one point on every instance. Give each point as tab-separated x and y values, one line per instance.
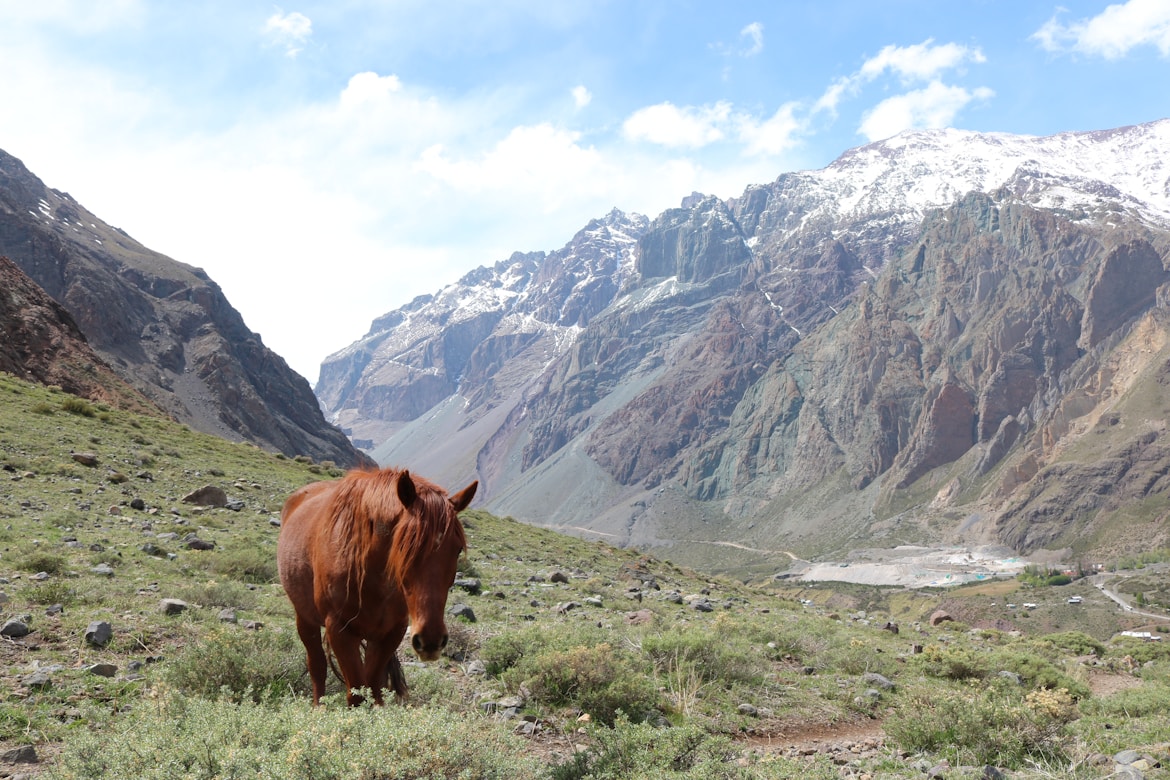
920	62
290	30
754	32
1112	33
581	96
369	87
666	124
774	135
932	107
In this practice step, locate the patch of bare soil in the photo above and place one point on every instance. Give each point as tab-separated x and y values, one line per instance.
1103	683
801	738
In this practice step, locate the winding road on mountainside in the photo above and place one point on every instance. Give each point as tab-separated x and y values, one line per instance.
1100	580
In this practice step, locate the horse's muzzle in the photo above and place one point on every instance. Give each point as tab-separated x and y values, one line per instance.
428	651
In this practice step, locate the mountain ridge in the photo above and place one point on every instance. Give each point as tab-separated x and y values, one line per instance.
165	327
695	400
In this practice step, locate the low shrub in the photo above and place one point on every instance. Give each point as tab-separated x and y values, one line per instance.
640	750
997	725
237	664
600	680
283	739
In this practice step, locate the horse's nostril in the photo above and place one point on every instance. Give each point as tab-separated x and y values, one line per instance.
443	643
416	642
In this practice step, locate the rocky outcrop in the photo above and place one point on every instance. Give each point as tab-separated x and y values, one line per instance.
164	327
41	343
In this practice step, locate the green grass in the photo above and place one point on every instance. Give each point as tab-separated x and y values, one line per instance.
677	696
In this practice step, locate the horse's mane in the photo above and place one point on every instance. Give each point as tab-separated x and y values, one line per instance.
365	499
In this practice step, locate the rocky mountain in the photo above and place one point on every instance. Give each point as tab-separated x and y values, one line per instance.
41	343
945	336
162	326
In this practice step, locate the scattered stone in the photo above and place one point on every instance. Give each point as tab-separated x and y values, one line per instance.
89	459
208	495
939	616
152	549
102	670
749	710
14	628
566	606
138	504
251	625
54	609
640	618
99	633
25	754
117	478
1010	676
234	504
891	627
476	667
878	681
463	611
227	615
172	606
592	601
274	522
103	570
193	542
672	596
40	576
41	678
469	584
559	576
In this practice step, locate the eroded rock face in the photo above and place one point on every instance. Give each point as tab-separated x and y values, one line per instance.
164	327
40	342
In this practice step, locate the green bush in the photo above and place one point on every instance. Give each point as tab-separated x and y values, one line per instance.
282	739
78	406
599	680
631	750
36	562
238	664
714	657
953	663
246	564
1074	643
998	725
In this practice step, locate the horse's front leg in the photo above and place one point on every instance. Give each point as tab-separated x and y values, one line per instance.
383	668
347	649
310	635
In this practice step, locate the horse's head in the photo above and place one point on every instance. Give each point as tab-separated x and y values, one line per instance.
426	553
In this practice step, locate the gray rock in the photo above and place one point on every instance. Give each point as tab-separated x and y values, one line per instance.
878	681
559	576
102	670
592	601
89	459
1009	676
15	628
748	709
41	678
476	667
469	584
172	606
208	495
25	754
103	570
227	615
1127	757
98	633
463	611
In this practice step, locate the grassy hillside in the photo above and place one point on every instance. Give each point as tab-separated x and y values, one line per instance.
582	660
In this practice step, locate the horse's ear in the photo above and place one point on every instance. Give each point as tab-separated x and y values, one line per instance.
461	499
407	492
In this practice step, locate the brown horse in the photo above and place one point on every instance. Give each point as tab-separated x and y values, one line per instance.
362	557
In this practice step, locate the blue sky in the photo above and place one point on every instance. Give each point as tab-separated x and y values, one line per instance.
327	161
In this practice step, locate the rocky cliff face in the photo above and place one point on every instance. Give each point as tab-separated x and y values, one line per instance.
41	343
911	344
163	326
